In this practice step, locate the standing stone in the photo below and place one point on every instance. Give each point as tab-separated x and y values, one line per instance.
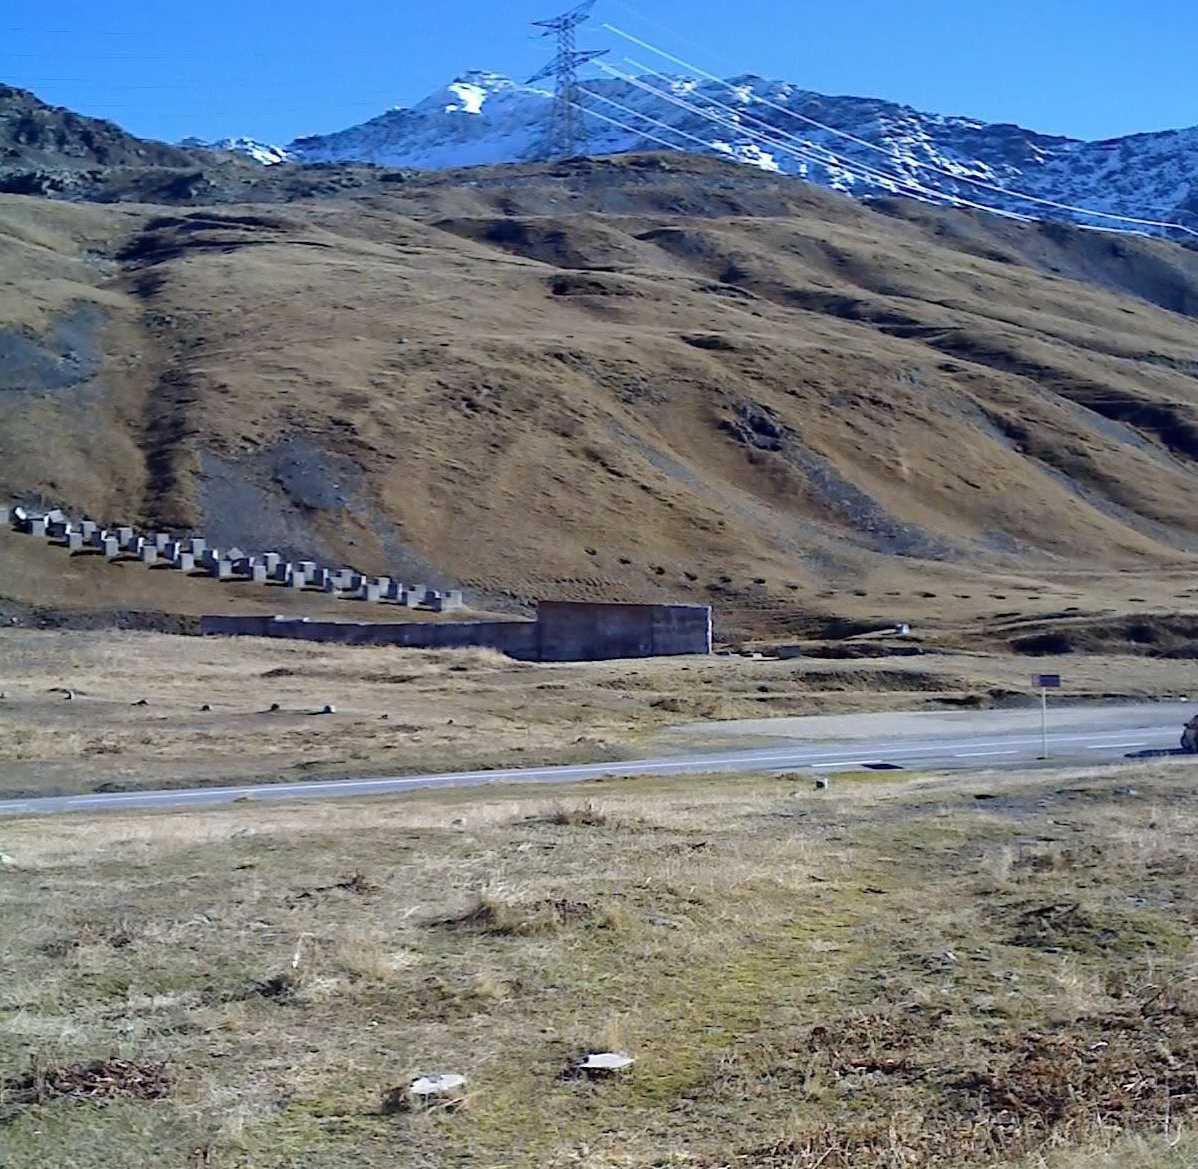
258	573
74	542
453	600
281	572
125	537
196	545
186	562
88	529
5	514
271	560
112	548
298	579
308	568
149	555
373	593
223	570
38	527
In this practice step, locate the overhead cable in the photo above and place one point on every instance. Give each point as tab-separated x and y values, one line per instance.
856	170
1007	191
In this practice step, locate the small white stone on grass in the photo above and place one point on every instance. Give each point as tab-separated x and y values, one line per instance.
6	861
437	1085
606	1063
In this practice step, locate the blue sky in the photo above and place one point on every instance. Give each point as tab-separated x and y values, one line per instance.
275	71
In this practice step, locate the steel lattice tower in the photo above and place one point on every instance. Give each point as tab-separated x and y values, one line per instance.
566	133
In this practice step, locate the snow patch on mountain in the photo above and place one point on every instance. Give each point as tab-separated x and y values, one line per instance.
261	152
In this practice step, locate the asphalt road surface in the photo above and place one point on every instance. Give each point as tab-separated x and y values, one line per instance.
921	741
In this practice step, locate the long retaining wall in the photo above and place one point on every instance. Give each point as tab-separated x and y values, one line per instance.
564	631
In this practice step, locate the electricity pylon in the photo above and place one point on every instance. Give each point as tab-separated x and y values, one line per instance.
566	131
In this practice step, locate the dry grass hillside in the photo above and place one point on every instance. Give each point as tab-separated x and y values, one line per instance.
925	973
648	377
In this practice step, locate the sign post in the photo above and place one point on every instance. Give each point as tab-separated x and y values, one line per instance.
1046	682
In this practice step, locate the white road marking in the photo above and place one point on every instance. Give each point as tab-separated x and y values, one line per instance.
1114	746
983	754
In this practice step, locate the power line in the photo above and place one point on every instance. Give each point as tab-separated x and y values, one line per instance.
891	182
627	129
645	117
1007	191
807	153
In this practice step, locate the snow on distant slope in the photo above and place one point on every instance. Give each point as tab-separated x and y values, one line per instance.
259	151
485	118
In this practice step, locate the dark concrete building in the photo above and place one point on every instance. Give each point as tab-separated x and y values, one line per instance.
564	631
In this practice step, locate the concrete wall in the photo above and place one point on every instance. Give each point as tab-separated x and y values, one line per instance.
574	631
517	639
563	632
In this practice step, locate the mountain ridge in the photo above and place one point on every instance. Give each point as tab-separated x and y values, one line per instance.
484	118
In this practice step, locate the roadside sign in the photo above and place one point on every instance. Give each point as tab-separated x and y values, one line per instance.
1045	683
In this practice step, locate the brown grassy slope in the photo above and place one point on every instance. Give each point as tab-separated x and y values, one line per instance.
631	378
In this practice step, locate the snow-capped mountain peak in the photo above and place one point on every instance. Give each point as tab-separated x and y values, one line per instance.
470	94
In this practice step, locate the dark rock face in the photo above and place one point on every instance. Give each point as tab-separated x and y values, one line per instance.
34	134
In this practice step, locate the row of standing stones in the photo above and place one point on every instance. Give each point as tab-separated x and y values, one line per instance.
193	556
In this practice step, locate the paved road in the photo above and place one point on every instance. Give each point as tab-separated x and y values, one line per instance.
982	739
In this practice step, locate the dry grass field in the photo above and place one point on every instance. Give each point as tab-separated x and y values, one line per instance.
138	717
641	378
976	971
